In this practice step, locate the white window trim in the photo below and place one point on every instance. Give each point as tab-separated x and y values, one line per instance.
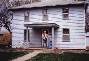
65	13
67	35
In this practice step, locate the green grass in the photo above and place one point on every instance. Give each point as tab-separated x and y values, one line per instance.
61	57
6	56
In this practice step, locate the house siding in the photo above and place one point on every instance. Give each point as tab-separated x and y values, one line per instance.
17	30
76	24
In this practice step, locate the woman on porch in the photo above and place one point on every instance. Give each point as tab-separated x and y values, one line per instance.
44	38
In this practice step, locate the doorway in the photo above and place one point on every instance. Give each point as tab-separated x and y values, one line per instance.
48	43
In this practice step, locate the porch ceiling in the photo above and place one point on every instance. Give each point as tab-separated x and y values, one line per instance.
41	25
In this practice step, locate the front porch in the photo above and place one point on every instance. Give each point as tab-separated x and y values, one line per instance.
34	34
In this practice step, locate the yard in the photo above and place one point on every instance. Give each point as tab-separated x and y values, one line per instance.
61	57
9	55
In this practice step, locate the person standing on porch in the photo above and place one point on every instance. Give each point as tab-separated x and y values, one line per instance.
44	38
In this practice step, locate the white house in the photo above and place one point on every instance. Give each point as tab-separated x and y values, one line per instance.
64	21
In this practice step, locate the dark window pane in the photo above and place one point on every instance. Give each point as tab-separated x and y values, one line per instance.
65	16
28	35
25	32
79	0
65	31
36	0
26	16
25	35
65	10
44	11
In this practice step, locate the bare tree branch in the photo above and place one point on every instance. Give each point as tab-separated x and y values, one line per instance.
5	15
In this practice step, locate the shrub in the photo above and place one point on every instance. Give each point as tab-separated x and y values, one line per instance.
5	39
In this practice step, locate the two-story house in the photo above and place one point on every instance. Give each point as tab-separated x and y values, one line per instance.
64	21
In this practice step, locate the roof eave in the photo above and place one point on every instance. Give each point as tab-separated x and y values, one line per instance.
19	7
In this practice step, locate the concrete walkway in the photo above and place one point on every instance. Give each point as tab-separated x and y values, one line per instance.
28	56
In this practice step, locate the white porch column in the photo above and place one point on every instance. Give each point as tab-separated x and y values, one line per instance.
52	37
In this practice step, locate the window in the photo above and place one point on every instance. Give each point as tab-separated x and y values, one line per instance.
66	35
65	13
79	0
26	16
45	16
36	0
26	35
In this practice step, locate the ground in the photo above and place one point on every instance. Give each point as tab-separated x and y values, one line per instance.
67	56
9	54
44	55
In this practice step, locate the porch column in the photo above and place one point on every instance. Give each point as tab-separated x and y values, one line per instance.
52	37
27	34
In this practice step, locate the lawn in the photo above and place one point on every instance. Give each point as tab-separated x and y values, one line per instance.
6	56
61	57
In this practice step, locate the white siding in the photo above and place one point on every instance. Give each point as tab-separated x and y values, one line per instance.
76	24
17	29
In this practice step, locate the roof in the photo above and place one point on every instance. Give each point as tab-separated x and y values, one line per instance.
48	3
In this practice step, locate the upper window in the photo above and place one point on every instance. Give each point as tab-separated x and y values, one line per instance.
65	11
66	35
45	15
79	0
26	16
36	0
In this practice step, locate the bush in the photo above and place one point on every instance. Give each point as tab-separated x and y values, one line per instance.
5	38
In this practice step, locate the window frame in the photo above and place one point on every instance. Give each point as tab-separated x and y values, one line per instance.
79	0
25	35
45	14
35	1
66	34
65	15
26	14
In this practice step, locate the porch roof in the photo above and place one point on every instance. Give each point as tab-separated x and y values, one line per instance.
41	25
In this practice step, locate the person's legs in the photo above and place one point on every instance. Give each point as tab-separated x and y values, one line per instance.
46	44
43	43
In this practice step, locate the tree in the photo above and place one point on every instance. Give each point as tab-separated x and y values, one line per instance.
5	15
